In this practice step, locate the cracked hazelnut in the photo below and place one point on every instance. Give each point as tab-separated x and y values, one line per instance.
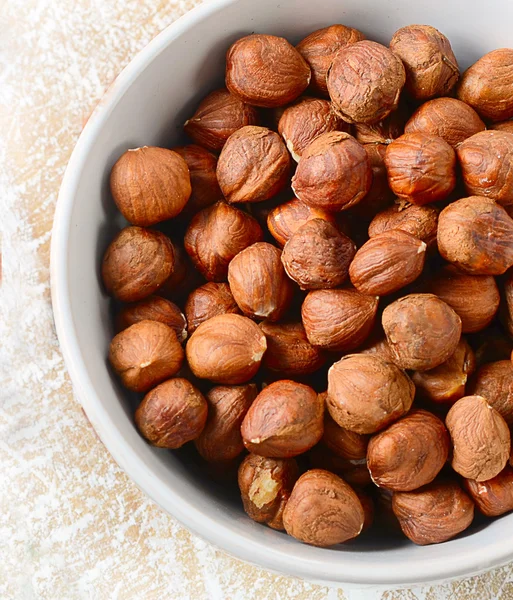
265	486
333	173
421	168
495	496
208	301
265	70
226	349
409	453
338	319
216	235
480	438
422	331
259	283
435	513
364	81
136	263
476	235
172	414
253	166
323	510
344	443
285	420
154	308
494	382
419	221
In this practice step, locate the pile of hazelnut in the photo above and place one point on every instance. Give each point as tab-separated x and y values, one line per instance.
302	324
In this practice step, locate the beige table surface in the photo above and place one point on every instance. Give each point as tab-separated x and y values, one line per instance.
72	525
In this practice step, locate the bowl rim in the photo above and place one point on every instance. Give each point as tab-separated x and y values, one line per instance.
233	542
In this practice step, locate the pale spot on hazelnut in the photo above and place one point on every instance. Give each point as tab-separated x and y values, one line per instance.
263	489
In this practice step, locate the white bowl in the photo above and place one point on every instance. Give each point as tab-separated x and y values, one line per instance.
148	104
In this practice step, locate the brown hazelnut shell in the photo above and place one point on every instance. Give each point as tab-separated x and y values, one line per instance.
208	301
494	382
506	126
419	221
344	443
495	496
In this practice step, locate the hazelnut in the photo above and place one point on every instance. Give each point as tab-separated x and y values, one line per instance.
368	509
317	256
435	513
474	298
136	263
487	85
387	262
172	414
226	349
493	345
486	161
385	517
476	235
265	486
333	173
494	381
431	67
285	219
265	70
150	185
507	310
220	440
154	308
216	235
365	394
382	132
352	471
145	354
176	286
259	283
422	331
319	49
344	443
419	221
506	126
218	116
421	168
365	80
410	453
495	496
208	301
323	510
377	345
480	438
254	165
288	350
285	420
306	120
448	118
446	383
338	319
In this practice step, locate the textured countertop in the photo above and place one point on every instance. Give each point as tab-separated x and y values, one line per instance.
72	525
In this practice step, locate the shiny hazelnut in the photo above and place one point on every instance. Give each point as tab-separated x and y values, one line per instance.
387	262
476	235
506	126
317	256
344	443
259	283
285	420
154	308
419	221
422	331
365	394
254	165
288	350
421	168
323	510
435	513
319	49
136	263
409	453
382	132
448	118
495	496
365	80
333	173
487	85
494	382
226	349
265	486
338	319
221	440
145	354
431	67
353	471
218	116
208	301
150	185
446	383
265	70
480	438
172	414
216	235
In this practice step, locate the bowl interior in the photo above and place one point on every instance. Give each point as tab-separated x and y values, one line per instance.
148	105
